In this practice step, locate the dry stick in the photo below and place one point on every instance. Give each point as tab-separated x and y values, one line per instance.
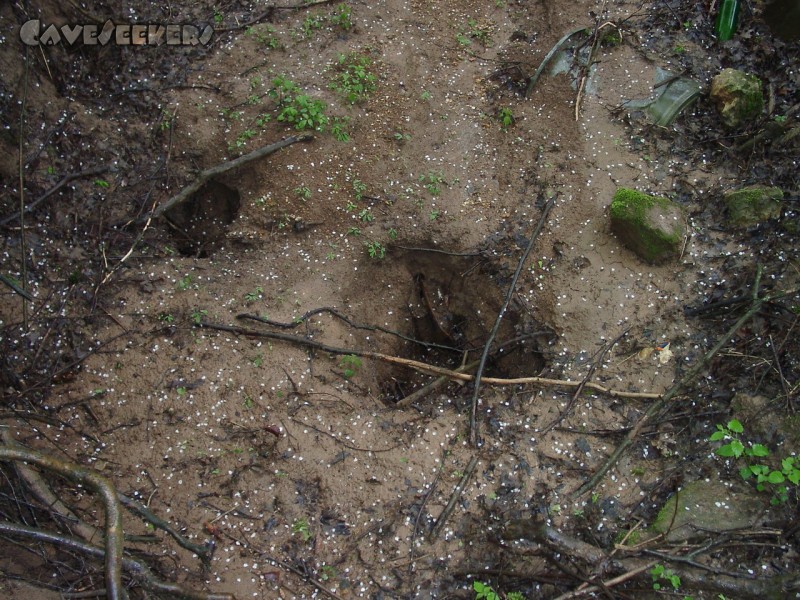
204	551
23	251
657	406
473	417
101	485
140	571
442	380
207	174
459	489
584	381
423	367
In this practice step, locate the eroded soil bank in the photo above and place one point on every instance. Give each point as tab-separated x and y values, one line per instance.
218	363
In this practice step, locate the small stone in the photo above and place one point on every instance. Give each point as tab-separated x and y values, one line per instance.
753	205
650	226
737	96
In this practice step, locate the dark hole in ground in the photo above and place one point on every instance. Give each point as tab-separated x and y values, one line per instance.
200	223
452	305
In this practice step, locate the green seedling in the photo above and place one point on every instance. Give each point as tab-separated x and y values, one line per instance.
185	283
351	364
484	591
254	295
433	182
661	574
303	192
366	215
359	187
301	528
101	183
166	318
506	117
376	250
354	80
198	316
341	17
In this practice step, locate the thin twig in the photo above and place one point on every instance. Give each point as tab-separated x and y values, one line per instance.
473	418
204	552
420	366
459	489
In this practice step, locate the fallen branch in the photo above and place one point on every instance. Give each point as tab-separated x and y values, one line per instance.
95	481
473	417
141	572
459	489
201	178
420	366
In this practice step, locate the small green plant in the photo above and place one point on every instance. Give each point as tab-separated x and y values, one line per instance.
433	182
300	527
376	250
311	24
392	234
661	574
354	231
761	473
302	192
678	49
781	119
254	295
101	183
218	17
474	31
184	283
425	95
515	596
296	108
434	214
366	215
351	364
257	360
359	187
401	137
326	572
354	80
198	316
484	591
166	318
339	128
341	17
506	117
264	35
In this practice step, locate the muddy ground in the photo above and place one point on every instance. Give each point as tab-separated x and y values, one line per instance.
395	230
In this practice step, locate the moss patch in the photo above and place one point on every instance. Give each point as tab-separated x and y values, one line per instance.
649	225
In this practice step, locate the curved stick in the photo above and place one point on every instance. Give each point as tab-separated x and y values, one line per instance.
101	485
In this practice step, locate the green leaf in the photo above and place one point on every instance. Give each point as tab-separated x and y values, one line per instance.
775	477
759	450
745	472
735	426
717	435
726	450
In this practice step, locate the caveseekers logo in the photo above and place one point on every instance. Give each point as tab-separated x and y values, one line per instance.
36	33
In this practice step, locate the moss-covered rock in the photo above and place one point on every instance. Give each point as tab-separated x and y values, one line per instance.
737	96
703	506
753	205
651	226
